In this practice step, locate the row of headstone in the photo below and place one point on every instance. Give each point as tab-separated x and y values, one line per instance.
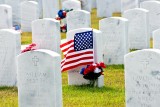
23	12
35	70
83	4
105	8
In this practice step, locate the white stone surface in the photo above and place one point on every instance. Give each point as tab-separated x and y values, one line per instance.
86	5
9	49
1	1
29	13
138	31
15	4
94	3
154	9
71	4
105	8
74	78
6	16
50	8
142	78
129	4
39	79
46	34
156	39
75	19
115	39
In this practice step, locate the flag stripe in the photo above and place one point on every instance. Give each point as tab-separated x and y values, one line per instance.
67	43
74	66
76	60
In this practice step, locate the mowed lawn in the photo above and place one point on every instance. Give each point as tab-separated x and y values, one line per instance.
111	95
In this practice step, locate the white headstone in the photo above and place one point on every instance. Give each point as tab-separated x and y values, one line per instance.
115	39
74	78
142	78
50	8
39	79
71	4
29	13
94	3
6	17
105	8
129	4
154	9
46	34
15	4
9	49
86	5
156	39
1	1
138	32
75	19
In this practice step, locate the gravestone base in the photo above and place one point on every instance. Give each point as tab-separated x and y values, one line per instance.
75	78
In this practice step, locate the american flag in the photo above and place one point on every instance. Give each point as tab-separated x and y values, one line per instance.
78	52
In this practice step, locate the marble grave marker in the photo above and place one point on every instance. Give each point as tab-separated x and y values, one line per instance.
75	19
6	17
74	78
138	32
154	16
39	79
115	39
9	48
46	34
142	75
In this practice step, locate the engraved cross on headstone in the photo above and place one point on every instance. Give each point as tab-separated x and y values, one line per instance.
35	60
145	63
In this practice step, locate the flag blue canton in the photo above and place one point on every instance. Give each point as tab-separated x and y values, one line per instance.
83	41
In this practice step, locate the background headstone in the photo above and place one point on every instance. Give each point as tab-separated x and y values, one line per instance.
29	13
142	78
71	4
115	39
154	9
105	8
50	8
78	19
15	4
138	31
39	79
94	3
86	5
46	34
129	4
9	49
6	17
156	39
74	78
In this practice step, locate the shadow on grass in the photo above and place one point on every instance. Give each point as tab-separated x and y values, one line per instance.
6	88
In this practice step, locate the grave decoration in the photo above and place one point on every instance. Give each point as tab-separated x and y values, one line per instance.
93	71
31	47
61	16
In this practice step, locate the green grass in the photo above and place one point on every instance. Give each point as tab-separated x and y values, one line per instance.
111	95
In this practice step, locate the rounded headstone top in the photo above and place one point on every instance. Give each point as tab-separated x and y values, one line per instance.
42	51
9	31
142	51
5	5
136	9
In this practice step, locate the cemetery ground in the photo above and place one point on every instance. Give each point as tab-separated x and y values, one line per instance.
111	95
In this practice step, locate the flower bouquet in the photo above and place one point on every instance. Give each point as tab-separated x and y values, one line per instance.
92	72
62	18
